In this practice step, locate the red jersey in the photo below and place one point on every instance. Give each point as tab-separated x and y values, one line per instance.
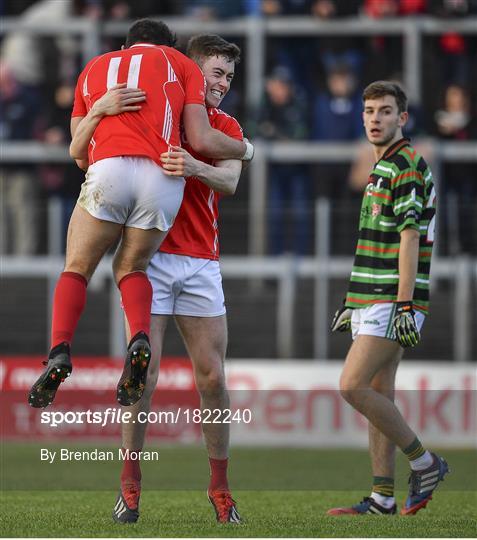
170	80
195	231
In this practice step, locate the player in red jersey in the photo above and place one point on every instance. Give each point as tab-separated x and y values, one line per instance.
126	193
187	284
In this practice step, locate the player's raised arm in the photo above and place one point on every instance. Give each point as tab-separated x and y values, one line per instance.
211	142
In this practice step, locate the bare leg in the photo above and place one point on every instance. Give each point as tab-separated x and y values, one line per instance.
135	250
88	240
129	266
382	450
366	357
133	434
206	342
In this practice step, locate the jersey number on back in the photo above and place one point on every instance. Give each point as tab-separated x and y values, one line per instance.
133	71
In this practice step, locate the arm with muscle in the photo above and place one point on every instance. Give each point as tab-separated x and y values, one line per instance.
408	259
222	177
208	141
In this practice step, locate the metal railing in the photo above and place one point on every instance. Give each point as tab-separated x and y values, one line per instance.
265	153
319	153
255	31
287	270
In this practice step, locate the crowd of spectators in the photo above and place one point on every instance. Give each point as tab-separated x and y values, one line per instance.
312	91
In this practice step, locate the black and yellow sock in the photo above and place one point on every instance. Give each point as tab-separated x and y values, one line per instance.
415	450
383	486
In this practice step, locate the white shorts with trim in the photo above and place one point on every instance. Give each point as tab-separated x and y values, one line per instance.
183	285
133	191
376	320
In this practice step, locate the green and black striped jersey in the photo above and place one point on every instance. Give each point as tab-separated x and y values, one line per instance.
400	194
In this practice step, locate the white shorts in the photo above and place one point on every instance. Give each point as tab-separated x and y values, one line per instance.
184	285
376	320
133	191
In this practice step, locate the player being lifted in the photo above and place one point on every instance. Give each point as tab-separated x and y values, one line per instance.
388	299
126	193
187	284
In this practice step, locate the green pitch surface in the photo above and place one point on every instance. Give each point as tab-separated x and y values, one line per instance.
272	487
188	514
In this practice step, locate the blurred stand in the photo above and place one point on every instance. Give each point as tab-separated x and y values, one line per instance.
308	39
284	118
19	189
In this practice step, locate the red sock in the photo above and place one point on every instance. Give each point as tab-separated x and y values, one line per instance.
136	295
218	474
68	304
131	467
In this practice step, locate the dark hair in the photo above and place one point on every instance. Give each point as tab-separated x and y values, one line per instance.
149	31
379	89
207	45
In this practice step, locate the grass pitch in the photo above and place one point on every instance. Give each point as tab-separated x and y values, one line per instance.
272	488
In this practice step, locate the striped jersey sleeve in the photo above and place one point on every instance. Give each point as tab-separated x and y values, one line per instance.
407	189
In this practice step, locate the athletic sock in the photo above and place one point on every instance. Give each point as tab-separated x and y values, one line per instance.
136	295
131	467
382	500
68	304
383	486
131	478
423	462
419	458
218	474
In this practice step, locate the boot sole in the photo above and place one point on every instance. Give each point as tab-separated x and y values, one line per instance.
43	392
131	388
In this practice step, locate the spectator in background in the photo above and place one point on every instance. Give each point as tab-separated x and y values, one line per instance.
25	54
61	181
385	52
284	118
19	108
392	8
453	48
323	9
337	116
337	111
297	52
126	10
272	8
205	10
453	121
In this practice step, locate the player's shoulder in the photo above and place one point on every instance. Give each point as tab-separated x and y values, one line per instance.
92	62
408	158
218	117
177	56
100	59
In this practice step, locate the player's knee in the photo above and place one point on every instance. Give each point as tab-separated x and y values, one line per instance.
211	383
125	266
350	389
80	267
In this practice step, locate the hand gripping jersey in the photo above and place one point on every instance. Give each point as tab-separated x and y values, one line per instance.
170	80
400	194
195	231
